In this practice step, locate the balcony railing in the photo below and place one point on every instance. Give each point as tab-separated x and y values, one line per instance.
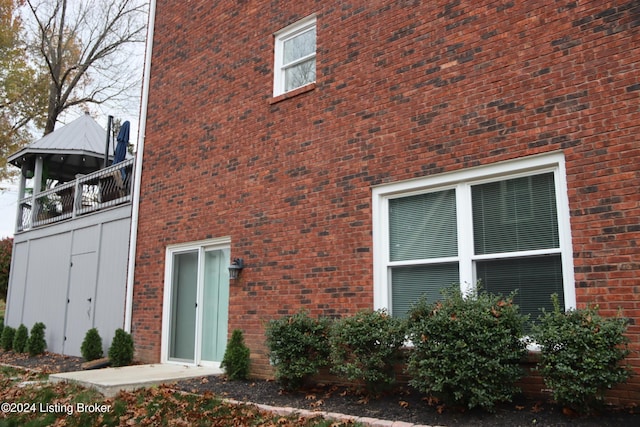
103	189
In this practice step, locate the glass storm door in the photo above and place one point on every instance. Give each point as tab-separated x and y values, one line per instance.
182	334
199	305
215	302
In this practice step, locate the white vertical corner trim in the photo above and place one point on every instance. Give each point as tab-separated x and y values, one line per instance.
564	229
135	211
462	179
380	217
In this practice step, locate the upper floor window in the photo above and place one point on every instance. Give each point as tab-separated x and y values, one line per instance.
295	56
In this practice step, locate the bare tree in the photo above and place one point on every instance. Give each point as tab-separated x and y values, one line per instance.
82	45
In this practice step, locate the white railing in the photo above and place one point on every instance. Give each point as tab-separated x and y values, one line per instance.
99	190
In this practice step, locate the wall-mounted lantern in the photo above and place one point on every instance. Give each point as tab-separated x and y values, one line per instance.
236	266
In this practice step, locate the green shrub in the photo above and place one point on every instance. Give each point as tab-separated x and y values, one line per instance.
236	357
20	339
6	247
580	354
8	333
298	347
366	348
91	348
466	351
36	344
121	350
1	325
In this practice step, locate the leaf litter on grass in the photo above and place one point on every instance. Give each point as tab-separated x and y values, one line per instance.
59	404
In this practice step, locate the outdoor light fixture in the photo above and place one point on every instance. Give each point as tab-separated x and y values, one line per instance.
236	266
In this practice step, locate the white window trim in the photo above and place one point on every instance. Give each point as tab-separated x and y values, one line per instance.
200	246
281	37
551	162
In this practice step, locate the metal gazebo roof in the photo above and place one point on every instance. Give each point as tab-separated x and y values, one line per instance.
77	148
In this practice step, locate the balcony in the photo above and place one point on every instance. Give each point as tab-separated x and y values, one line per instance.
86	194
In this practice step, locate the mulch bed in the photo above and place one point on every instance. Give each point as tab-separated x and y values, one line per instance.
403	404
47	363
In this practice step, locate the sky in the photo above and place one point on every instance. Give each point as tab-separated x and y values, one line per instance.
8	206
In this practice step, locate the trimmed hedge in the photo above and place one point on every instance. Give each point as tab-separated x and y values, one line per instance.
463	351
36	344
236	357
6	340
298	347
467	351
20	339
121	350
366	348
91	348
581	355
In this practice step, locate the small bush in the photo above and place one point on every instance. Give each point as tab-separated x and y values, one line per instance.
36	344
236	357
121	350
6	247
580	355
298	347
20	339
91	348
366	348
467	351
1	325
8	333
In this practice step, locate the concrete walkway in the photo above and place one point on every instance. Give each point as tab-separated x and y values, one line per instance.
109	381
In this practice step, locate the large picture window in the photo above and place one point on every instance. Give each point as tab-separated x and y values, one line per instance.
505	226
295	56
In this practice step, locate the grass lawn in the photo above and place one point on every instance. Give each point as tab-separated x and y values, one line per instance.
28	399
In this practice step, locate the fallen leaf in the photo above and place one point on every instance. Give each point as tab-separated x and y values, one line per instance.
431	401
317	403
404	404
537	407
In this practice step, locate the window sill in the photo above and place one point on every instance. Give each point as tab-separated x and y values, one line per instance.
293	93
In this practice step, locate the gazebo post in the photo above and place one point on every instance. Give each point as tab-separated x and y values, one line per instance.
21	190
37	188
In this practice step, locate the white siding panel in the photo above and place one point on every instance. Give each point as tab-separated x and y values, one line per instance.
46	287
15	295
112	279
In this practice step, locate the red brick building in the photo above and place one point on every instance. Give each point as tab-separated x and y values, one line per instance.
356	154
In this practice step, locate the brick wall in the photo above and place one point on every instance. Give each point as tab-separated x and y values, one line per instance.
404	89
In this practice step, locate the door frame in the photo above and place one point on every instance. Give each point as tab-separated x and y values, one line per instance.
201	246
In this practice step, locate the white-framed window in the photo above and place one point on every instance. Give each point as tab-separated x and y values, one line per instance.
295	56
505	225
